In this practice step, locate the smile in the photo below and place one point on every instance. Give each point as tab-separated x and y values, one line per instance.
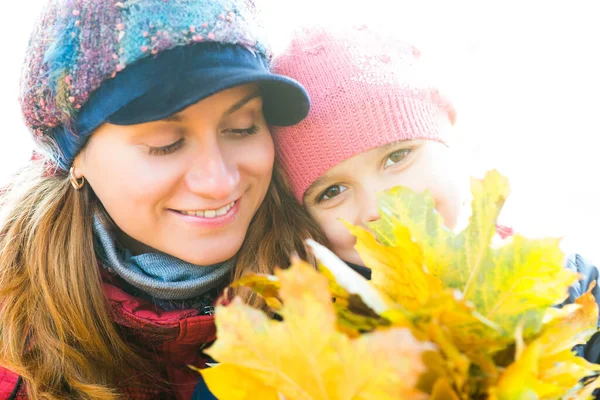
219	212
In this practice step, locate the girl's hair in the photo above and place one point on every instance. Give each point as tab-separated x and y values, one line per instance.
56	330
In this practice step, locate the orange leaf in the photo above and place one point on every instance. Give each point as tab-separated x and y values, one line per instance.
305	356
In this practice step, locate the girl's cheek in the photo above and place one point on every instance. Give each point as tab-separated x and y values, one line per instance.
338	235
449	203
341	241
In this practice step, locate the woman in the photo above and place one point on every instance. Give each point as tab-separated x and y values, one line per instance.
159	192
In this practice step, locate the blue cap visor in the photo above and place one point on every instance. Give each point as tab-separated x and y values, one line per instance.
159	86
284	101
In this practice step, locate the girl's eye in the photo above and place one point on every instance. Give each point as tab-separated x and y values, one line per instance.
163	151
331	192
246	131
396	157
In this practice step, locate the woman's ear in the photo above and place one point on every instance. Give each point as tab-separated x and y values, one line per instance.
79	166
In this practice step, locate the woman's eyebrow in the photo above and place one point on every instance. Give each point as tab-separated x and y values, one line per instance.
179	117
242	102
173	118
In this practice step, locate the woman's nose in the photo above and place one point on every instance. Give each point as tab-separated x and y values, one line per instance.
213	174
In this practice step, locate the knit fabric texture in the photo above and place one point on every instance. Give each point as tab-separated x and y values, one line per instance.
367	89
159	275
79	44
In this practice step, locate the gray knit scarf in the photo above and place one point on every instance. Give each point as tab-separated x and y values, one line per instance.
157	274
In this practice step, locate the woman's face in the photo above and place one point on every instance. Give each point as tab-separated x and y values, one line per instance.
348	190
187	185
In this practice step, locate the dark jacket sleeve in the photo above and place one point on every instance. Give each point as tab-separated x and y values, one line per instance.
201	392
589	273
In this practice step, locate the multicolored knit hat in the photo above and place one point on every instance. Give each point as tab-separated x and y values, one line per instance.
367	89
133	61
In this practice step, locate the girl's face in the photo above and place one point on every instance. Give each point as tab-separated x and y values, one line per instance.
348	190
187	185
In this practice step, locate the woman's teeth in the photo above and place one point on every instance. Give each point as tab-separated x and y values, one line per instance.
210	213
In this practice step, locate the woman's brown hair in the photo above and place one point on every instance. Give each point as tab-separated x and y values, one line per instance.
56	330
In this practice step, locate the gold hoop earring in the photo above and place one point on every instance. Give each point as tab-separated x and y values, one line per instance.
77	184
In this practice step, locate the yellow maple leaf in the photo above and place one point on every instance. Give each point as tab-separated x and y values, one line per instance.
547	368
305	356
239	385
417	285
506	285
403	277
519	281
434	320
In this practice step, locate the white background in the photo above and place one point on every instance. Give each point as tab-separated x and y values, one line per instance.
524	75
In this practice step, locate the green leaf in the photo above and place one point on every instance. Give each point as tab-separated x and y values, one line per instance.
506	285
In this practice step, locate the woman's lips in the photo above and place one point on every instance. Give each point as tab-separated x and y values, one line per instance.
210	218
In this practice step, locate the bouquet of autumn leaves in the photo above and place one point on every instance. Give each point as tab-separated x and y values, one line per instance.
446	316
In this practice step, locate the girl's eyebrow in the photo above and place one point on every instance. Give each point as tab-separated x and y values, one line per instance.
398	142
320	181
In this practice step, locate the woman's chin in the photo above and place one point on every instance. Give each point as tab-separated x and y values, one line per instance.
204	260
210	253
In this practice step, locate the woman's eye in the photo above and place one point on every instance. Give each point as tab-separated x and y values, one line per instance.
246	131
395	157
331	192
164	150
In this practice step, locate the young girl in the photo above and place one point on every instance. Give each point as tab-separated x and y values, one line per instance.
376	121
154	115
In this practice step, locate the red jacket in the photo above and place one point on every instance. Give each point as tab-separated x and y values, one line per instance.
175	338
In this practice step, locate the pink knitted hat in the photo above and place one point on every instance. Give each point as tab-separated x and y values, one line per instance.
367	90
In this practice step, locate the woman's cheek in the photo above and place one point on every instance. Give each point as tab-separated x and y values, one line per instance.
255	154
